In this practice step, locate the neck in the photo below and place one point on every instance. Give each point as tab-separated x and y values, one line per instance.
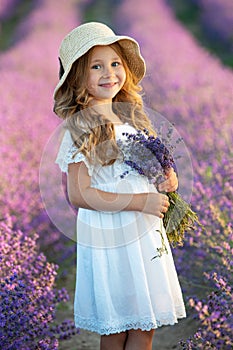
106	110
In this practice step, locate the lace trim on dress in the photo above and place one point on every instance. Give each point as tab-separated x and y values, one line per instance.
66	154
145	324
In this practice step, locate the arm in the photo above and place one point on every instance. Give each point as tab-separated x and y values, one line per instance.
82	195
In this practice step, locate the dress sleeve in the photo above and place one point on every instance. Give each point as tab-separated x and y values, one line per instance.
67	154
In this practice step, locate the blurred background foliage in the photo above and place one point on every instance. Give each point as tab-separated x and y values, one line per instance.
190	42
188	12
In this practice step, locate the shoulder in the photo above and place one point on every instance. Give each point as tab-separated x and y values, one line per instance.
66	151
68	154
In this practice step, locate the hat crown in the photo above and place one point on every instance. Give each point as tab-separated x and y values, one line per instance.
85	35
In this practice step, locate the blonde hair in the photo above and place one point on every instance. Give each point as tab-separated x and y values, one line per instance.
92	133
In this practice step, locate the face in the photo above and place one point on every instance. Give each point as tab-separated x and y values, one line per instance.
106	74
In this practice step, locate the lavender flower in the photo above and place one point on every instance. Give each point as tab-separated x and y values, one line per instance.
28	295
217	20
28	299
149	156
195	93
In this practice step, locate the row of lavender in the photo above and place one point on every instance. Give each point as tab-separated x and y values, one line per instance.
29	72
194	91
28	295
7	7
217	20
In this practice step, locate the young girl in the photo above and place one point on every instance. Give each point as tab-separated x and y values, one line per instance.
121	292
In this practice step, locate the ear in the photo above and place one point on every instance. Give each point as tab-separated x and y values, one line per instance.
61	69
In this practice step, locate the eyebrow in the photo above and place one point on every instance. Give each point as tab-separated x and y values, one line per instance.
100	60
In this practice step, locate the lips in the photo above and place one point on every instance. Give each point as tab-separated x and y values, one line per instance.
108	85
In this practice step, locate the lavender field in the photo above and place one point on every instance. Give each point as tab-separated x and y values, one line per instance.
191	88
216	19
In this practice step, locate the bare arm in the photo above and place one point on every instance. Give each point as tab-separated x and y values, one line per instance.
82	195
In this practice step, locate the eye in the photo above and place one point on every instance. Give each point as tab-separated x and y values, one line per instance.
116	64
96	66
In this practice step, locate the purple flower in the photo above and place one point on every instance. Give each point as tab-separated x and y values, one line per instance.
148	156
28	295
195	93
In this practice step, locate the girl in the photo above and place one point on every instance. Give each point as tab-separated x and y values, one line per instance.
121	292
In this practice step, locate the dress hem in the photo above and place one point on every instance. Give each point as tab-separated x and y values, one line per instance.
144	326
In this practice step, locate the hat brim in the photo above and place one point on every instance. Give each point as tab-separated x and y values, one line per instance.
130	47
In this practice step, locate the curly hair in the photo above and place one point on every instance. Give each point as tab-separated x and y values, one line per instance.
92	133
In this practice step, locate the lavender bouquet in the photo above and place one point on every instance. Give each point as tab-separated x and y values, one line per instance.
149	156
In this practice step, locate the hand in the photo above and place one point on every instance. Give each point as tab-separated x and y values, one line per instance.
156	204
171	182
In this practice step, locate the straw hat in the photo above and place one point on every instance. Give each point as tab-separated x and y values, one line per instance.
83	38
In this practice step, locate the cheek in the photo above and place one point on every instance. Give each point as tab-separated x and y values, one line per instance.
90	84
123	77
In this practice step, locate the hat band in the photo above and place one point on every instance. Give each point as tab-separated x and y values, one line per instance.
89	44
61	69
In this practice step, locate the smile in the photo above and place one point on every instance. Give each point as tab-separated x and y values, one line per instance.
108	85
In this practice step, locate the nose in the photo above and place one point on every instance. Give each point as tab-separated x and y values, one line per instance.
108	71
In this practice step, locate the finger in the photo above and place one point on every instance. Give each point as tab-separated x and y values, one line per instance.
169	172
161	187
166	203
169	185
164	209
173	189
172	176
164	186
165	199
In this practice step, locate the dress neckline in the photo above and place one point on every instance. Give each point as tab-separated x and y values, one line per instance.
123	124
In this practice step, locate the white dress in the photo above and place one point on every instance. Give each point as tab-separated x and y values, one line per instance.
119	285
